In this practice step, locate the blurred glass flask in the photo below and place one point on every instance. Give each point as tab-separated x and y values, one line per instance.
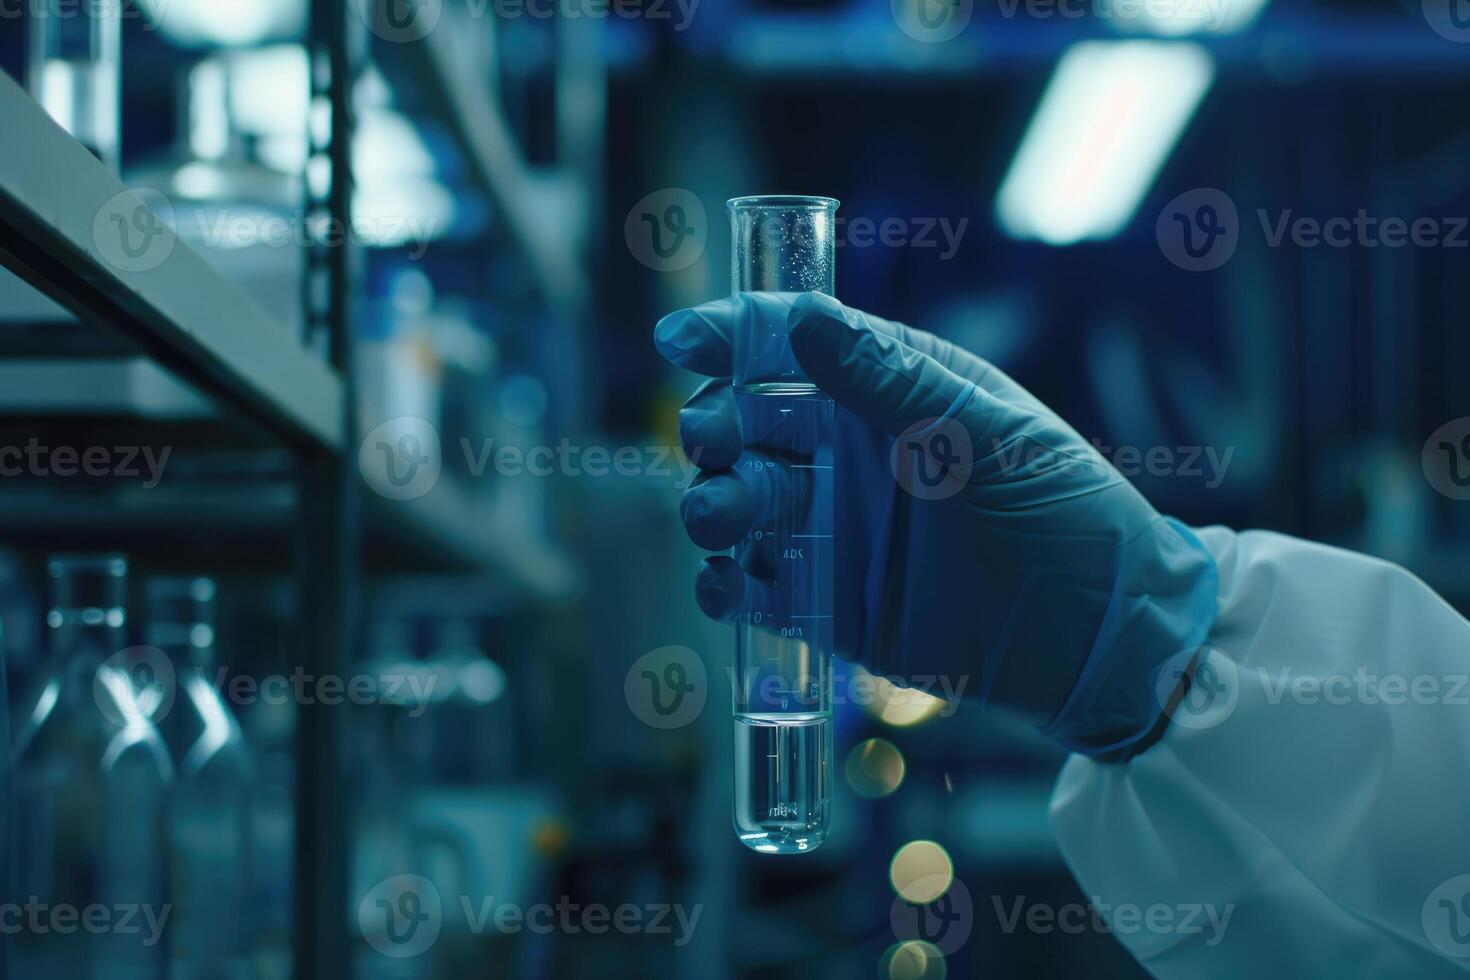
783	639
92	779
209	822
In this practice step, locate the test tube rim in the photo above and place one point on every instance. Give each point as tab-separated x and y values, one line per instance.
788	202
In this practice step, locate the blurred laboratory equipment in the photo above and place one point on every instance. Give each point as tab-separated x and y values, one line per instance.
395	355
783	639
205	23
267	621
20	621
92	780
234	186
75	61
5	798
209	821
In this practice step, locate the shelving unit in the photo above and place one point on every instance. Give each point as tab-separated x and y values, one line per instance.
258	389
57	205
183	314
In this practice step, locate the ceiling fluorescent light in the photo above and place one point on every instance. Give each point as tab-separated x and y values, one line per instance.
1107	122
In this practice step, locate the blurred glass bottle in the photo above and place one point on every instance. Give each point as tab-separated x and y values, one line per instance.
5	885
270	731
75	66
210	818
91	784
470	709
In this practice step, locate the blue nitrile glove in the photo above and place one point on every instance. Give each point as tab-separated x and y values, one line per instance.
977	535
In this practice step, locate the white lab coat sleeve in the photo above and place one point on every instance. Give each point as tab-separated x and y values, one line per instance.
1319	823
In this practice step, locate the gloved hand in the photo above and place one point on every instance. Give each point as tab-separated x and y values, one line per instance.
977	535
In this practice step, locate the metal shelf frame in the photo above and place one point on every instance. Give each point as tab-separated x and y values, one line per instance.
328	559
58	204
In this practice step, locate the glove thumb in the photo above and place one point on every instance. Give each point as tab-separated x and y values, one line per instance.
890	386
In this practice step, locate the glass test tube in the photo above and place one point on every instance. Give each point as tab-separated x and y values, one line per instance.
783	638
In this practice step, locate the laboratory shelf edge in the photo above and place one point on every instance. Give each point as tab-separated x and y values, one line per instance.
54	196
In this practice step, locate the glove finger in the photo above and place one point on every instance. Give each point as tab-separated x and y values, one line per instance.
718	509
870	373
708	338
700	339
719	588
725	592
721	507
709	426
756	553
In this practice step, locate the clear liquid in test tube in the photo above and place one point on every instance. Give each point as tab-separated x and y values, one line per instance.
783	639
